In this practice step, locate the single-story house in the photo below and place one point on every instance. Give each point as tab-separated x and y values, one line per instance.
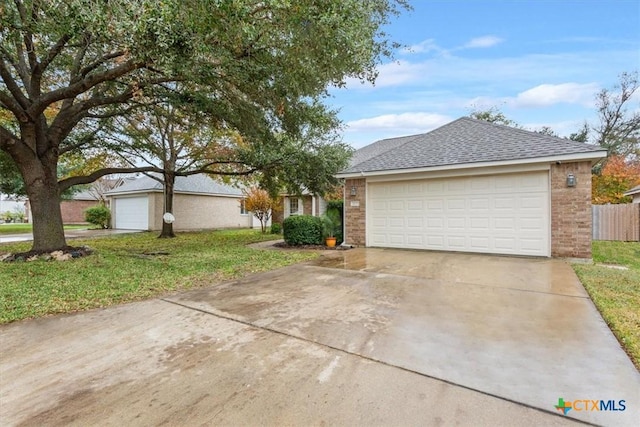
634	193
473	186
72	209
199	203
11	204
305	203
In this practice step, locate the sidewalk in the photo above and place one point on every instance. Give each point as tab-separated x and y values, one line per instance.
69	234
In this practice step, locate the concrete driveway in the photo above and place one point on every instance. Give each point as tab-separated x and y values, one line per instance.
362	337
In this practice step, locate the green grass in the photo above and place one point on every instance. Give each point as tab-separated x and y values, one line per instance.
119	271
26	228
616	293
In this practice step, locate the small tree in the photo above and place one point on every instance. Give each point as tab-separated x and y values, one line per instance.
260	204
617	176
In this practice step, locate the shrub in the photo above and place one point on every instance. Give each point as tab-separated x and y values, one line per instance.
276	228
99	215
303	230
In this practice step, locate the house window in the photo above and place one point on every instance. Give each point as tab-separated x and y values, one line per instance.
243	207
293	206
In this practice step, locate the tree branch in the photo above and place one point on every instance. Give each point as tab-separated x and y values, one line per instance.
7	138
36	76
85	84
86	70
13	87
88	179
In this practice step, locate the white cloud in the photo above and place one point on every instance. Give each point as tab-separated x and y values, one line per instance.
424	46
545	95
483	42
399	124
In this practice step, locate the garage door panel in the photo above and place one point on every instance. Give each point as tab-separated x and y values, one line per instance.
415	240
457	242
396	222
479	204
456	223
415	222
435	223
415	205
379	205
480	223
396	239
479	244
396	205
506	214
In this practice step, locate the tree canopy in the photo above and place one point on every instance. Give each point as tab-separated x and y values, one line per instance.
260	68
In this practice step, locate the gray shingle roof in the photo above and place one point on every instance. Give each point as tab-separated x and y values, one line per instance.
200	184
462	141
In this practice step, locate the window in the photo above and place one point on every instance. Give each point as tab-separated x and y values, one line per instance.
243	208
293	206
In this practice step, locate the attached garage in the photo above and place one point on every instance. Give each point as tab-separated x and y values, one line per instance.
472	186
501	214
131	213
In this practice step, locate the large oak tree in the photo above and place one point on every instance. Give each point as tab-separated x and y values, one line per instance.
259	67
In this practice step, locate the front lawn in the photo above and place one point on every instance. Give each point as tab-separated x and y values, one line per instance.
28	228
132	267
616	292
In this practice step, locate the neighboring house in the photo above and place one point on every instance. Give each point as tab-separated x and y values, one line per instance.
199	203
73	209
303	204
634	193
11	204
472	186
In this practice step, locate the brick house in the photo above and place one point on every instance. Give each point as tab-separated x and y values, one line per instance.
473	186
302	204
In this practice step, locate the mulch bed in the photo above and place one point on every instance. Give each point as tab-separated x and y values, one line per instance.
284	245
65	254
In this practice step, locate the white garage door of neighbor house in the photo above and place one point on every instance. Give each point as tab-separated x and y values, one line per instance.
132	213
500	214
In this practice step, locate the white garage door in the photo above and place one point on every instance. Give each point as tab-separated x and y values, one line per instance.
132	213
501	214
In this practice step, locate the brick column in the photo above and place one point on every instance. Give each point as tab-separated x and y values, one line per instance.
355	212
571	220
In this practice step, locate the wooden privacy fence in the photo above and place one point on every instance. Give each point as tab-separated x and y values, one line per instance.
616	222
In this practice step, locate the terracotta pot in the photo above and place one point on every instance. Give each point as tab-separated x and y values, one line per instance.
331	242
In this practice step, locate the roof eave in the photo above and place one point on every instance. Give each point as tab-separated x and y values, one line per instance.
594	156
192	193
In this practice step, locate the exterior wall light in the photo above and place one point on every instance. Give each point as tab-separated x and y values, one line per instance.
571	180
354	191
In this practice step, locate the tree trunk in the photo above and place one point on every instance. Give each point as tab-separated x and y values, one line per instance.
167	228
44	198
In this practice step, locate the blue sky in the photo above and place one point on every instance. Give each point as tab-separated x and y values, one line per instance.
540	62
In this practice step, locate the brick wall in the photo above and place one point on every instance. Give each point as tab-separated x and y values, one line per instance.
355	216
571	211
73	210
306	205
278	214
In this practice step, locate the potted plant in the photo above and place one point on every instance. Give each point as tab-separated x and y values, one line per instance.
330	226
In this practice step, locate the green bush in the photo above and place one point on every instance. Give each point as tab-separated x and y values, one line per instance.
99	215
303	230
276	228
335	210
